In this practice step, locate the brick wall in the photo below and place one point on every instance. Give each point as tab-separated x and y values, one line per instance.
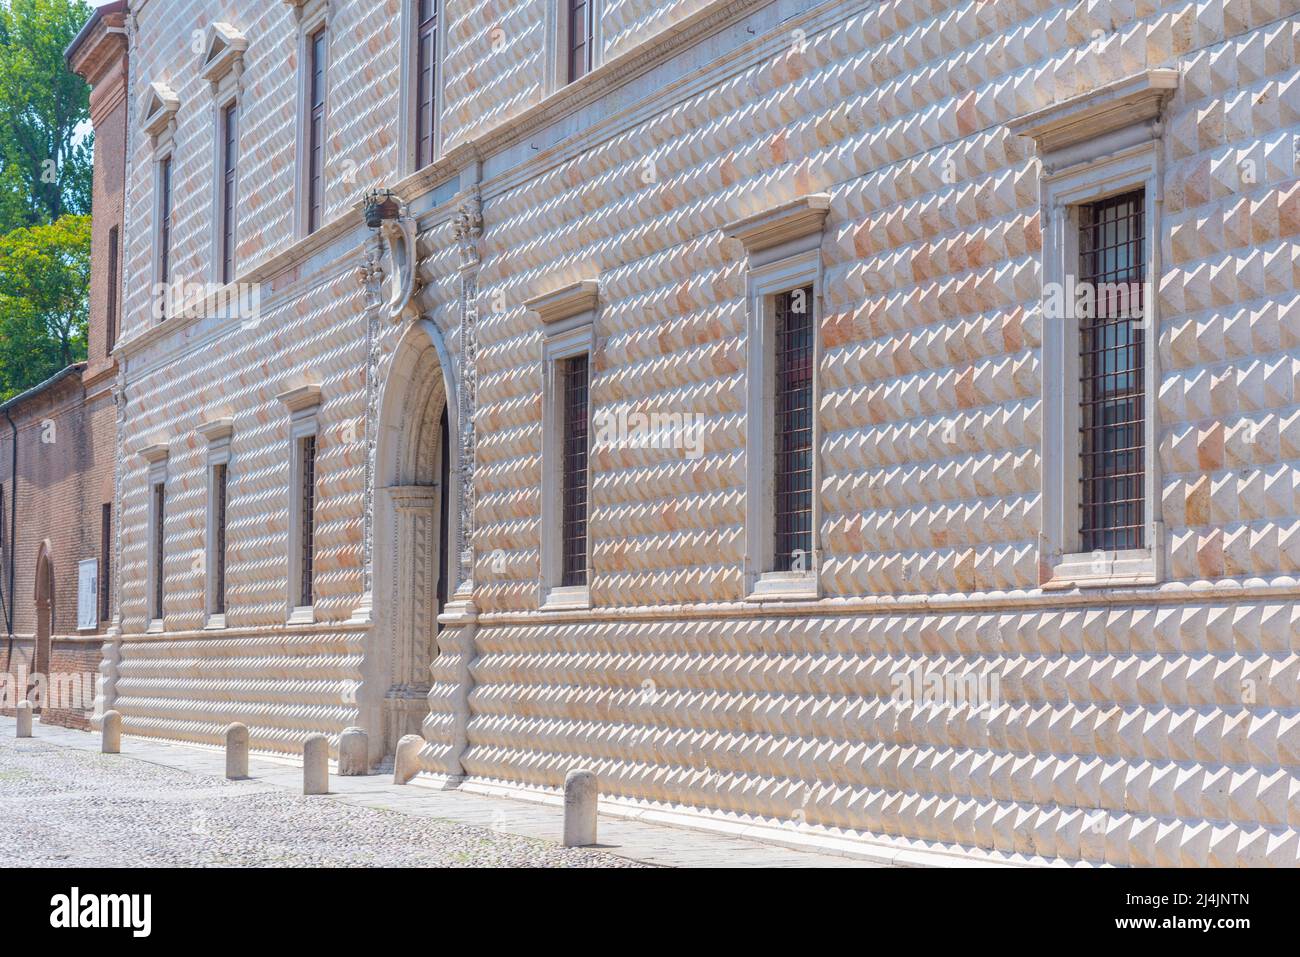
65	476
66	433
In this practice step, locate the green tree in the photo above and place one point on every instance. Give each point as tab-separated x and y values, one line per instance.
44	274
45	146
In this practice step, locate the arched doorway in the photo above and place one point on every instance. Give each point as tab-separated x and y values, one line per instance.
44	596
415	495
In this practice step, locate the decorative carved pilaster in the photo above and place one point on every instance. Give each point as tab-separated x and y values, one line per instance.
370	274
468	228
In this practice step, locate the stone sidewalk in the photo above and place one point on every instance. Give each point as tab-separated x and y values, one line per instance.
639	841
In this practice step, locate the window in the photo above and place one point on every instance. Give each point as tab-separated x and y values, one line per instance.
792	417
783	245
573	381
219	542
1112	389
1100	509
316	62
426	81
306	518
568	319
218	433
303	405
164	222
114	280
581	37
229	159
158	521
105	546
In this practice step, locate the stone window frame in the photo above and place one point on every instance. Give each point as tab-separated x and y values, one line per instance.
218	433
303	405
557	43
1091	148
568	318
157	458
409	102
783	245
311	15
158	109
222	66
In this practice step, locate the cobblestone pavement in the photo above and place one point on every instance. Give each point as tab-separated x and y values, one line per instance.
61	807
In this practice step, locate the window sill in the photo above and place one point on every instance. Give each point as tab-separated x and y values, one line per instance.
785	586
1104	570
567	598
303	615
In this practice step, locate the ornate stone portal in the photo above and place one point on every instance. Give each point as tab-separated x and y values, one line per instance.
418	561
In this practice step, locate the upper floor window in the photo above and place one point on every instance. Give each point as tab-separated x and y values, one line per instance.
164	220
229	163
426	81
317	54
580	37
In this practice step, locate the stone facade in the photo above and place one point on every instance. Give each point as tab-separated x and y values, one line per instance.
1143	721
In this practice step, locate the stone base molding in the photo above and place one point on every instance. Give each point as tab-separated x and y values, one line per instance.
446	726
284	686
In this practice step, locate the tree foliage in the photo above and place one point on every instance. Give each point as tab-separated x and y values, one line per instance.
46	171
45	148
44	272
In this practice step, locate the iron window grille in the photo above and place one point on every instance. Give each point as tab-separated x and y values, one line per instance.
159	514
307	519
426	75
316	130
574	381
219	545
1112	383
792	416
229	154
164	227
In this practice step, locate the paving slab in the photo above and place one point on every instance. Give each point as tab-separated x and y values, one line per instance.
628	839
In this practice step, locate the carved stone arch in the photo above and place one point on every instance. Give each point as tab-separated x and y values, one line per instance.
415	527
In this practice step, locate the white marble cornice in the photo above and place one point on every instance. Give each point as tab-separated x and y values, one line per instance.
799	218
217	430
572	300
301	398
155	454
1124	103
